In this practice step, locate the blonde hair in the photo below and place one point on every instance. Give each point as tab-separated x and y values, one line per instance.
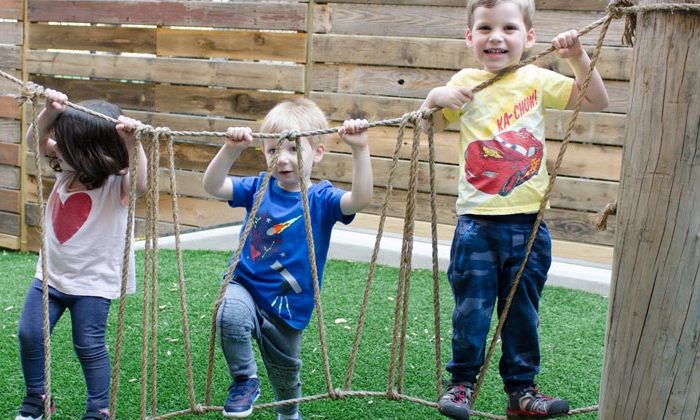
527	8
301	114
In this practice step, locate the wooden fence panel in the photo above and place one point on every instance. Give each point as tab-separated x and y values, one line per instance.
209	65
243	15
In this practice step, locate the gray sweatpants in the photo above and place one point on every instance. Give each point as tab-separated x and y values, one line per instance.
239	320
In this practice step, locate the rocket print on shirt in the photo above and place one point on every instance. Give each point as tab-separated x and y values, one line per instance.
70	215
264	242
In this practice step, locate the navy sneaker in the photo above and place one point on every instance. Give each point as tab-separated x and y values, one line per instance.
241	395
530	403
33	408
456	402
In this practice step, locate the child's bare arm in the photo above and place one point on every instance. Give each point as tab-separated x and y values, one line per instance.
354	134
444	97
216	180
126	127
55	105
568	47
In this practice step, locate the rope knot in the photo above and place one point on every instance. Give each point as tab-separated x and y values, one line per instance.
600	220
619	8
144	130
28	92
391	394
338	394
199	409
162	132
290	135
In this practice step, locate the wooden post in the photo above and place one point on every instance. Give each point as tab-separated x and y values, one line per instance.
652	354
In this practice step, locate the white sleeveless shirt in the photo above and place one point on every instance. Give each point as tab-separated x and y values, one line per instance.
84	239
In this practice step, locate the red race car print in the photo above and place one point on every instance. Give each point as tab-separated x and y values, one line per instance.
498	166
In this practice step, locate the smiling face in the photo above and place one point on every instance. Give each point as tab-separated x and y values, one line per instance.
286	171
499	36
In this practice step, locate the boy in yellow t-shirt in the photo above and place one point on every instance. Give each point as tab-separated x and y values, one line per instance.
503	181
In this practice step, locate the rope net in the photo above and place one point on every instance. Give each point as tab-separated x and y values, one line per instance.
151	138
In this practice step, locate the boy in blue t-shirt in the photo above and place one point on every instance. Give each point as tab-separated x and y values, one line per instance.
271	297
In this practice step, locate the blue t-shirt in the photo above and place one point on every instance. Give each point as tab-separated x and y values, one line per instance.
274	265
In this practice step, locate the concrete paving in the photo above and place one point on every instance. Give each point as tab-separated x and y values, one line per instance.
357	245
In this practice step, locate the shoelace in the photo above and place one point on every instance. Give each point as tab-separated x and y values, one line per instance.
538	401
460	393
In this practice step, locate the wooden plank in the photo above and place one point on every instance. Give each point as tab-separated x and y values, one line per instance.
587	253
11	9
247	104
9	154
115	39
238	45
576	226
413	83
443	54
195	211
10	57
9	200
9	177
10	131
9	241
126	95
169	70
593	5
587	161
9	223
11	33
441	22
243	15
8	107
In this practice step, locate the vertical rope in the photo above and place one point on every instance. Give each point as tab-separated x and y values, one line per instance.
314	271
373	259
543	205
229	273
391	393
181	274
147	279
133	169
42	256
154	163
436	268
407	248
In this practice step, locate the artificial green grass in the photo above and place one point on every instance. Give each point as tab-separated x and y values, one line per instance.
572	337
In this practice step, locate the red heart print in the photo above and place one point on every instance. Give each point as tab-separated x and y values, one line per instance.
68	217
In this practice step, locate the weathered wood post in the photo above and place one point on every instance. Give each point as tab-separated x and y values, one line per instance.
652	353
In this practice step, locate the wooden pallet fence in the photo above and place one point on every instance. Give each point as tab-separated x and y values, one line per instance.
209	65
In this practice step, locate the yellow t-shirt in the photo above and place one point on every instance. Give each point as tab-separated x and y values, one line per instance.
502	164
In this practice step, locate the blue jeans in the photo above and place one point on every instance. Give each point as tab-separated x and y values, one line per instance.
238	321
485	256
89	321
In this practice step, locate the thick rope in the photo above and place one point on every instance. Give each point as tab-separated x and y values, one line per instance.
600	220
114	388
154	206
312	265
407	249
45	278
397	311
181	273
436	268
375	254
234	262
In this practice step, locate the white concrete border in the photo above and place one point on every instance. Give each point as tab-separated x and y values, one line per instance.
355	245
